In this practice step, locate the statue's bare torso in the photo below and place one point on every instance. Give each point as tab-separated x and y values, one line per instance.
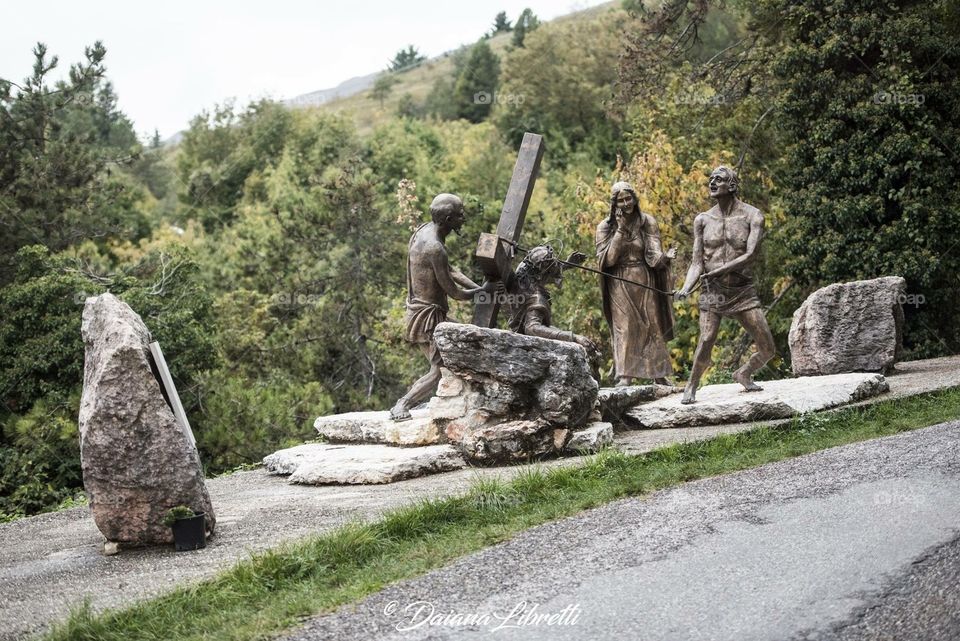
428	264
725	239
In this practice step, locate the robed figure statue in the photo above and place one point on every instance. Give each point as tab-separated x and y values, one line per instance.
640	316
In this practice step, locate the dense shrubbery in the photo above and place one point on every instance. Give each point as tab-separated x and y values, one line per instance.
266	251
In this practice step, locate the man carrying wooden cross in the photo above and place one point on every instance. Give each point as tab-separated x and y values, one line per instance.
430	279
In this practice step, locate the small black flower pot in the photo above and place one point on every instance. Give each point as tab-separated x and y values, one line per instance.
190	533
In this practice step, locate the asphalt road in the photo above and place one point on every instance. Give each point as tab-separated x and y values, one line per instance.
852	543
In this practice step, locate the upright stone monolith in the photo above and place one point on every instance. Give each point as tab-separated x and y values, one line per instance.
137	460
849	327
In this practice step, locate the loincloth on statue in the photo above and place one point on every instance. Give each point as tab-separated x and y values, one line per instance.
422	318
728	300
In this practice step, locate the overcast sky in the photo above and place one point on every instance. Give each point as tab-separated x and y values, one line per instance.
169	60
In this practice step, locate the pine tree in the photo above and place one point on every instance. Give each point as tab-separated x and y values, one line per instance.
475	90
55	144
501	24
406	59
526	23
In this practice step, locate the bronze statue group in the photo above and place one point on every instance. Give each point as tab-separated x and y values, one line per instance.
635	283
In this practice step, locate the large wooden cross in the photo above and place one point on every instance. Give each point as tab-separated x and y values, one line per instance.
493	255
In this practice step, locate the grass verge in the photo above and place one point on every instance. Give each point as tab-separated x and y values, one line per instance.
261	596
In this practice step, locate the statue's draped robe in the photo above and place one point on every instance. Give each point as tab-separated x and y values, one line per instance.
531	315
640	319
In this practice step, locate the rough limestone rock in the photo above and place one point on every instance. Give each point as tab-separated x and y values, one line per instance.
506	396
511	441
324	464
717	404
377	427
137	460
849	327
592	439
615	401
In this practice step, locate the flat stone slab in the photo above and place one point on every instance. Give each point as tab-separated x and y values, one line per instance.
718	404
616	401
595	437
378	427
325	464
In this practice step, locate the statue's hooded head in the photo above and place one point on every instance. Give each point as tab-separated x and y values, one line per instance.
622	196
723	181
447	210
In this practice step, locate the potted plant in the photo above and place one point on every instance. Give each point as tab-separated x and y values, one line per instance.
189	528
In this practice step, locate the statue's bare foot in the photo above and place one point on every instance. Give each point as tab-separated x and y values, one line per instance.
623	381
689	395
400	412
744	379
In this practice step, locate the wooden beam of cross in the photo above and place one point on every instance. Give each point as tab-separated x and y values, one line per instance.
494	256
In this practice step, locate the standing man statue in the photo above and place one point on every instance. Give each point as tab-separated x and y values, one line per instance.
430	279
726	242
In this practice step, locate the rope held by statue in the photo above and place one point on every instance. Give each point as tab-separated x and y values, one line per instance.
597	271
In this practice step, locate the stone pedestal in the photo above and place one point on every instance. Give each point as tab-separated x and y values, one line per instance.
378	427
508	397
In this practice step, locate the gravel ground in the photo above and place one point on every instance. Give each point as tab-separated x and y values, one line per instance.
797	549
53	561
924	603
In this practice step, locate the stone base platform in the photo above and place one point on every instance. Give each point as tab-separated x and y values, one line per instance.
615	402
378	427
718	404
323	464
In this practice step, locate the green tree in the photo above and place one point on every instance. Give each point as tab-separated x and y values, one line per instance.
407	107
221	151
476	87
154	170
501	24
383	87
440	101
406	59
561	82
526	23
58	145
868	95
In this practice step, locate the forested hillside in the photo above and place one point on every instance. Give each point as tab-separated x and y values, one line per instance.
265	251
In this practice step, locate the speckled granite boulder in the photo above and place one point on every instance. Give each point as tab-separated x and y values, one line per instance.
137	460
849	327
